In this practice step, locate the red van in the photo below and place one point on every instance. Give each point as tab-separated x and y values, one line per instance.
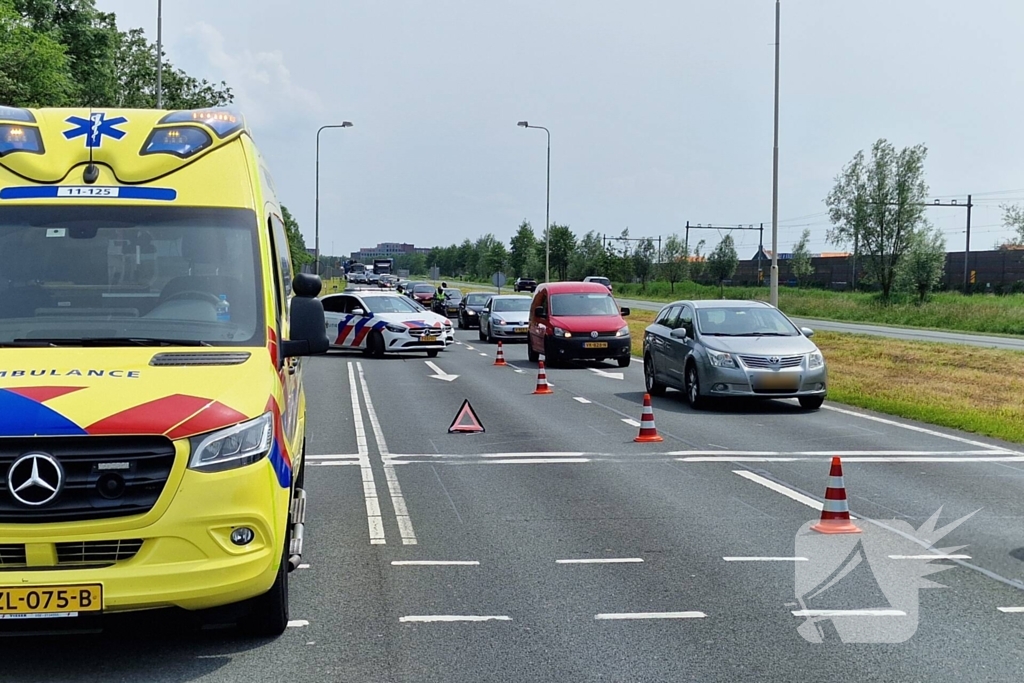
577	321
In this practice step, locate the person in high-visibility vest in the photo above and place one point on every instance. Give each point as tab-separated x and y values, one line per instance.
439	295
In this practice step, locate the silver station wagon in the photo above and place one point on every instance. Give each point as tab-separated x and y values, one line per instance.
732	349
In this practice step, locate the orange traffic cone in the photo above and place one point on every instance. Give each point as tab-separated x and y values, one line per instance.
648	432
500	359
542	381
835	514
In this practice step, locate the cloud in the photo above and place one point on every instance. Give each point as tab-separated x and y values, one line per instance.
259	80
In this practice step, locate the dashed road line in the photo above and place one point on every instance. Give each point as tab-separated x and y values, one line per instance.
650	615
779	488
929	557
405	529
1012	610
373	516
631	422
435	563
580	399
849	613
765	559
298	623
430	618
603	560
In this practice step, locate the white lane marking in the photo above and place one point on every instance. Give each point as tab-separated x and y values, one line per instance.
517	461
534	454
603	560
484	355
304	566
373	517
435	563
426	619
929	557
1012	610
913	428
849	613
333	463
516	368
765	559
580	399
779	488
605	373
860	459
724	455
439	373
651	615
297	623
333	457
405	529
631	422
471	348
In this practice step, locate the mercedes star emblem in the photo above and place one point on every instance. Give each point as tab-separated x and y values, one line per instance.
35	479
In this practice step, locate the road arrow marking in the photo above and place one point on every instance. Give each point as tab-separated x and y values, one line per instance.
441	374
609	375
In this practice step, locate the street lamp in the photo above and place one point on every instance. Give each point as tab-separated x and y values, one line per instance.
159	54
773	294
547	207
343	124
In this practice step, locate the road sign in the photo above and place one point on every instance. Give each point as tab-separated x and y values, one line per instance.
498	279
435	273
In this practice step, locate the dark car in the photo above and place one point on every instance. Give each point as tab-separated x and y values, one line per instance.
449	305
470	307
423	292
525	284
599	280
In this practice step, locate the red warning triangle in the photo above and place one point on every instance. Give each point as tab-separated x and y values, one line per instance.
466	421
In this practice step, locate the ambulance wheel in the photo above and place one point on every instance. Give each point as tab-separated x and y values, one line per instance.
375	345
268	613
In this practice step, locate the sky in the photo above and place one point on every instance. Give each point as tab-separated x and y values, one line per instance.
660	112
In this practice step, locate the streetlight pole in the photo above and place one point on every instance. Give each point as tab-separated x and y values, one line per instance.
343	124
159	54
774	291
547	206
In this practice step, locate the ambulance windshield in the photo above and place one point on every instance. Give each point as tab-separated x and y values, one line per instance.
96	275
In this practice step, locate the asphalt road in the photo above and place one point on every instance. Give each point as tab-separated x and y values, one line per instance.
570	553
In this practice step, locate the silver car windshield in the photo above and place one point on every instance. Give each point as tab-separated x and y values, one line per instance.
114	275
744	322
390	304
511	305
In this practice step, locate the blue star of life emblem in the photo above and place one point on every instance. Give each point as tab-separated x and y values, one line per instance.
95	128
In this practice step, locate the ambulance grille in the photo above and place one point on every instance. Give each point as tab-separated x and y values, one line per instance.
12	555
97	552
194	359
104	476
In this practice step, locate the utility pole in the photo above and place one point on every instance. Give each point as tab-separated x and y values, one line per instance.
967	248
159	54
774	293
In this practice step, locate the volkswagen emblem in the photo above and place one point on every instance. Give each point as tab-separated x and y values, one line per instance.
593	335
774	360
35	479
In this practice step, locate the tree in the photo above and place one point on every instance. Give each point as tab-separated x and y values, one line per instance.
522	243
877	206
675	261
496	258
1013	217
415	263
296	242
563	243
136	79
643	261
698	263
724	260
923	264
34	68
589	257
801	266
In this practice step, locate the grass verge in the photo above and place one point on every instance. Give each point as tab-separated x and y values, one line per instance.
971	389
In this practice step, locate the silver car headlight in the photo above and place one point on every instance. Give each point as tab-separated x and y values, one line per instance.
397	329
721	360
237	446
624	332
815	360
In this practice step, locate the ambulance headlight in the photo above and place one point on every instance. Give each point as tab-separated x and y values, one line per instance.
223	122
17	138
181	142
237	446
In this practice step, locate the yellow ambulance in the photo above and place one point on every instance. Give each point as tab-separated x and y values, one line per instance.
152	413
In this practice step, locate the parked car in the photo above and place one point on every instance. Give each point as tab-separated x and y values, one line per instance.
378	322
449	305
525	284
599	280
732	349
505	317
470	307
577	321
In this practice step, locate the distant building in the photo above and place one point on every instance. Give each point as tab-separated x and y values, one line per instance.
387	250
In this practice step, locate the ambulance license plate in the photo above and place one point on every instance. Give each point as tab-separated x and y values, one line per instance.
24	602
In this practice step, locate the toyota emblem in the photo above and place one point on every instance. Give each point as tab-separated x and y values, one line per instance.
35	479
593	335
774	360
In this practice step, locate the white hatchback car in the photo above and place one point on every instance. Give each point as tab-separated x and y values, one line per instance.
384	322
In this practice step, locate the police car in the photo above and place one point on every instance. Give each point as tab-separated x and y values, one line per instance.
379	322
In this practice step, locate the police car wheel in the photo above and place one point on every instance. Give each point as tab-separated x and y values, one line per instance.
375	345
432	354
